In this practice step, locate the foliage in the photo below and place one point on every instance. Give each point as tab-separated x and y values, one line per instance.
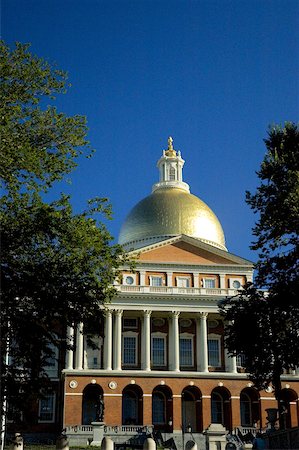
265	326
57	266
38	144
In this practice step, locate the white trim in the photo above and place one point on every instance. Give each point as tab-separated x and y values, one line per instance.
112	395
205	279
235	279
268	398
129	275
130	334
186	278
216	337
73	393
151	277
158	335
190	337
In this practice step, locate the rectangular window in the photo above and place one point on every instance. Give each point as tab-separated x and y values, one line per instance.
158	351
156	281
186	351
130	322
214	352
209	283
183	282
129	350
46	411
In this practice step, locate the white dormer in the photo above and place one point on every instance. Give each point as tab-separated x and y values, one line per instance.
170	167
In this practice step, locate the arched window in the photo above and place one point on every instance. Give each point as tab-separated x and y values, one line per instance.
132	405
217	408
221	407
246	410
172	173
162	408
192	409
159	408
92	397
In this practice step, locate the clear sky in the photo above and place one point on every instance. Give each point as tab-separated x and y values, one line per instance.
212	74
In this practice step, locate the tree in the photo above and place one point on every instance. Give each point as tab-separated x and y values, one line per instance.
57	267
264	325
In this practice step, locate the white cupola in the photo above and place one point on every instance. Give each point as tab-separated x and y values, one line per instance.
170	167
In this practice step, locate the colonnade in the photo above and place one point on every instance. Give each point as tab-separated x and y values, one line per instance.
112	348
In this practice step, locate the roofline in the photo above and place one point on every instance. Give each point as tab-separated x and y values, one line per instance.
196	242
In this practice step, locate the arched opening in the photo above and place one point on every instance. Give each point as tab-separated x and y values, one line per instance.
288	400
221	407
172	173
192	409
162	409
132	405
92	404
250	408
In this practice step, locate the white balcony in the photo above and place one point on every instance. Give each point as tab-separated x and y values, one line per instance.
169	290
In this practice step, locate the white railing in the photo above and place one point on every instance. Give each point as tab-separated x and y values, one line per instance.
118	429
127	429
176	290
80	429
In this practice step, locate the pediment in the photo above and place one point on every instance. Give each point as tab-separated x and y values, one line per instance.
186	250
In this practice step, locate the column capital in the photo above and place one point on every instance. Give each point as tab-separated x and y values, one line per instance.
175	314
118	312
107	313
203	315
147	312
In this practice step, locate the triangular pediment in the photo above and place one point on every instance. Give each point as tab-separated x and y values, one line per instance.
186	250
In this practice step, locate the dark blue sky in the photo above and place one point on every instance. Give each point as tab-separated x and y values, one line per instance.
212	74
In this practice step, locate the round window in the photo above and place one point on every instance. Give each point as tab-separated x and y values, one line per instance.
236	284
129	280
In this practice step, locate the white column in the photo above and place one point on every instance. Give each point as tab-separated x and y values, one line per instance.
117	340
108	341
79	346
222	281
196	279
230	362
169	278
146	341
142	278
175	341
69	361
203	360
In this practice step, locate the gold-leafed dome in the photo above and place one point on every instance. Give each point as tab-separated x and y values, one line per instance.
169	212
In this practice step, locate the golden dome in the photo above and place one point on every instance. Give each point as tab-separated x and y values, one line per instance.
170	212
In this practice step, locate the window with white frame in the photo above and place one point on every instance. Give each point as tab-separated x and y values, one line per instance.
183	282
158	349
156	281
129	349
186	350
209	283
46	408
214	350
